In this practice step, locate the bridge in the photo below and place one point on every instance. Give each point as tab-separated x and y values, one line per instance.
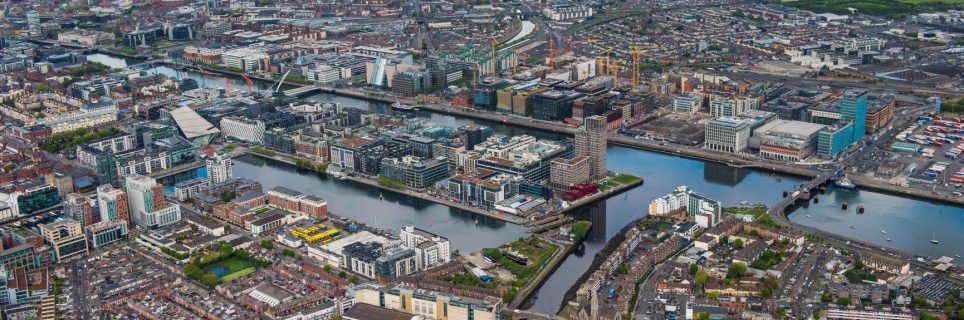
295	92
803	192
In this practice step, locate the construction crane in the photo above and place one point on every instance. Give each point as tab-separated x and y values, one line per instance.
637	53
227	86
524	56
552	56
614	65
605	52
495	43
249	81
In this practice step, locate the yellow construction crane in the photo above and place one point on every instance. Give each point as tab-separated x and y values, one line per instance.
495	43
637	52
614	65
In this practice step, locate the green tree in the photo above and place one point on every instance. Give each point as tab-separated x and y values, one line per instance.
701	276
226	249
859	265
702	316
327	268
267	244
227	228
843	301
288	252
342	274
9	167
738	243
354	278
736	270
714	295
210	279
694	268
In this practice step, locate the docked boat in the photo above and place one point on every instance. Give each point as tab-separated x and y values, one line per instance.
882	231
934	241
404	107
844	183
809	216
515	256
888	240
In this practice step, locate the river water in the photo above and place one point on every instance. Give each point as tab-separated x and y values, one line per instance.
909	222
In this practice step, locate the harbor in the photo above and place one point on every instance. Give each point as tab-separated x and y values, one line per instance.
729	179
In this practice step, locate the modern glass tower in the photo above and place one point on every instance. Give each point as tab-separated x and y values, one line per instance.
853	107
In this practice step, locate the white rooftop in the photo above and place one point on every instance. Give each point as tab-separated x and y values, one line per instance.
192	124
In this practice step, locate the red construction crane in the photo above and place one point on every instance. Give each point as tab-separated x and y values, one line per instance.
249	81
524	55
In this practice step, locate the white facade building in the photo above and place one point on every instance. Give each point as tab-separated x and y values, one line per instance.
243	129
148	208
430	249
219	168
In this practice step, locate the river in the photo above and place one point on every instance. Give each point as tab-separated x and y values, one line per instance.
909	222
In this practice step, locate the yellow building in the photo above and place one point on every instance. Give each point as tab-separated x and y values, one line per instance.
429	304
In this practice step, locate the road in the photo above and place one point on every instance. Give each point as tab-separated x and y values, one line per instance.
811	83
79	280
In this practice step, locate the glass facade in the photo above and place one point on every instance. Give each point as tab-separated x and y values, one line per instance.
853	107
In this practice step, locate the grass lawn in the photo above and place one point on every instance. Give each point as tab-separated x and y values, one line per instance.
536	249
231	268
625	178
756	212
238	274
229	148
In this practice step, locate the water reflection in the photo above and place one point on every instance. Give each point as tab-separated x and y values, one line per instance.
722	174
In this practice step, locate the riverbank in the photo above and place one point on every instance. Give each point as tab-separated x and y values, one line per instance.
407	192
536	282
602	195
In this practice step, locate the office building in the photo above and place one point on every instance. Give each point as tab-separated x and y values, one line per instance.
591	142
374	261
79	208
243	129
431	250
564	174
219	168
143	37
786	140
66	237
112	204
106	232
567	11
519	156
687	103
148	207
27	198
63	182
414	171
871	314
853	107
833	139
246	59
880	110
551	105
484	96
473	134
409	83
727	134
429	304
